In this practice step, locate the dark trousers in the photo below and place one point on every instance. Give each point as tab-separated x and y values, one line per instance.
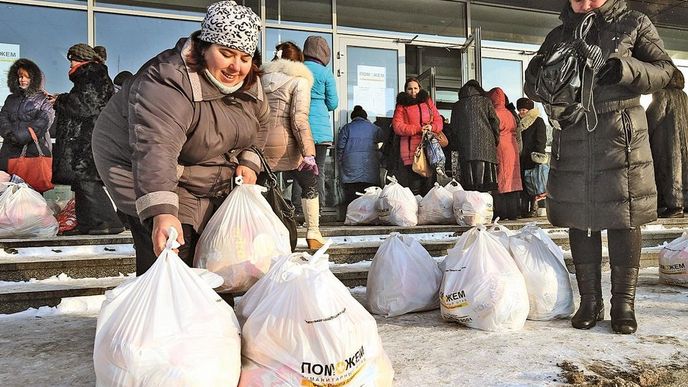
307	182
418	184
143	244
350	190
506	205
94	210
297	186
624	247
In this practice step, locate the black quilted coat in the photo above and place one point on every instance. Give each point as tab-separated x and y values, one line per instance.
667	117
476	125
23	109
604	179
76	115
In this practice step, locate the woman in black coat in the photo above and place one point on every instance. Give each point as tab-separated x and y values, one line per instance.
27	107
77	112
601	176
476	128
667	117
533	139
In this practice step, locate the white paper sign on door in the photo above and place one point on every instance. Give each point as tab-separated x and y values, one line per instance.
9	53
370	90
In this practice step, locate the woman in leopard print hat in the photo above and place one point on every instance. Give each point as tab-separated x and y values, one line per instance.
170	144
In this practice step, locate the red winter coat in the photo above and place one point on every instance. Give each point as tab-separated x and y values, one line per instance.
409	117
509	168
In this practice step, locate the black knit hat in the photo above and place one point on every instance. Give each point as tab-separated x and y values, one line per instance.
358	112
82	52
525	103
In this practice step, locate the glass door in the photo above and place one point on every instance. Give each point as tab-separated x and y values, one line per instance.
470	58
368	72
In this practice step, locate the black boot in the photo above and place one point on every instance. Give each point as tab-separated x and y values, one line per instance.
533	209
624	280
591	309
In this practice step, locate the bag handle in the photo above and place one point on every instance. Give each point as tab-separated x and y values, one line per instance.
272	178
585	25
35	141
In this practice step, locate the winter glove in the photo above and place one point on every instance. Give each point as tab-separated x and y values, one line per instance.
610	73
591	52
308	163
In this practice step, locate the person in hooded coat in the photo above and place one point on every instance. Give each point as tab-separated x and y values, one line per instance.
28	106
601	176
415	112
324	100
667	117
509	169
358	154
476	127
77	112
289	147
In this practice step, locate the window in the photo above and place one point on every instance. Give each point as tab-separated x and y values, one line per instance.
429	17
512	25
132	40
42	35
300	12
275	36
506	74
177	7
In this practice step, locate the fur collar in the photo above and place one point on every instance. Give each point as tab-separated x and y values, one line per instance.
404	99
290	68
529	118
36	84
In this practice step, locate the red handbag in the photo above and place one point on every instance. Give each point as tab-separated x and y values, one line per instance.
36	171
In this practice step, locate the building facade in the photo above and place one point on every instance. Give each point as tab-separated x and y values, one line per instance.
376	45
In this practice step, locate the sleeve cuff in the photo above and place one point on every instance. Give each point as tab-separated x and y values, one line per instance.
156	203
251	160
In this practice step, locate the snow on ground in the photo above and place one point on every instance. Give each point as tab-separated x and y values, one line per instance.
53	346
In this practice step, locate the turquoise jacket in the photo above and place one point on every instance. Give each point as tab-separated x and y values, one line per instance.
323	100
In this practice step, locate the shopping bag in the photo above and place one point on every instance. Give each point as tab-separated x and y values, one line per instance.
420	163
396	205
547	279
241	239
25	214
67	217
433	149
306	329
166	328
402	278
362	209
536	179
436	207
673	262
472	208
36	171
482	288
453	186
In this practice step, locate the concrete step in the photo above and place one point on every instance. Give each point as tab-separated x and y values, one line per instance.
107	261
20	296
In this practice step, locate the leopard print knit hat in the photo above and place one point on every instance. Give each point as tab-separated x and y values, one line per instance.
231	25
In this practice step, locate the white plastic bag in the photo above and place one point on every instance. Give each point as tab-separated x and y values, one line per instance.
436	207
25	214
453	186
472	208
362	209
241	239
502	234
482	287
547	279
403	278
673	262
309	331
166	328
397	205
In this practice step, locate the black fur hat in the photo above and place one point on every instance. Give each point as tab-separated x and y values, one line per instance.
34	71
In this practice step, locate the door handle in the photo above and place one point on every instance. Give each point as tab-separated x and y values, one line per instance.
340	73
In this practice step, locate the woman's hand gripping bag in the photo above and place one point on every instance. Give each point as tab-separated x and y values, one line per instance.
241	239
482	288
403	278
472	208
25	214
542	264
309	331
362	209
396	205
166	328
673	262
436	207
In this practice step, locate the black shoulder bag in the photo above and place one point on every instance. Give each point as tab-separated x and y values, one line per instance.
564	82
283	209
